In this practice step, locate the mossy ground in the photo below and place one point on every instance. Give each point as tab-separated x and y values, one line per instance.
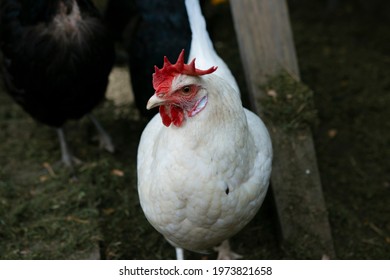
344	56
288	103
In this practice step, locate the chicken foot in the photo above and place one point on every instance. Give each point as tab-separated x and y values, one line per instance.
225	253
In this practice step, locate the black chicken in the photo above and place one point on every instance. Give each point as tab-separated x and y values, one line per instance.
57	56
117	16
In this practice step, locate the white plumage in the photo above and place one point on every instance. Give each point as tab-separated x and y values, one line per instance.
202	178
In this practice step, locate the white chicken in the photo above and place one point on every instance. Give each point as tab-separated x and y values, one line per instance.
204	162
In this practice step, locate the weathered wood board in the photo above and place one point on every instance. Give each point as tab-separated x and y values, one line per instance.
267	47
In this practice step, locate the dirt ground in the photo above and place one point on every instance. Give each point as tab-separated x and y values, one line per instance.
344	56
343	50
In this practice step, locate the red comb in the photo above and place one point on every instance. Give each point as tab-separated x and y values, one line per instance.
162	78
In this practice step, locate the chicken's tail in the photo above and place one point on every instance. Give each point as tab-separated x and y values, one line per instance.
202	47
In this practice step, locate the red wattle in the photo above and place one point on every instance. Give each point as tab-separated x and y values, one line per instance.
177	115
166	119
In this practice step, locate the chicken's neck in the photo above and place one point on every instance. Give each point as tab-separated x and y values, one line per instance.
216	115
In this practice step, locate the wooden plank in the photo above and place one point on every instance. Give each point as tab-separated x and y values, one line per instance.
266	47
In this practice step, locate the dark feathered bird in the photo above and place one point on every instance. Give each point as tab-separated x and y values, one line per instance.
57	56
162	30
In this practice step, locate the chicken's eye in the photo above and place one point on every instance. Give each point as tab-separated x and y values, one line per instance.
186	90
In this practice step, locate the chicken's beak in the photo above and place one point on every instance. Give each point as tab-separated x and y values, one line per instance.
154	101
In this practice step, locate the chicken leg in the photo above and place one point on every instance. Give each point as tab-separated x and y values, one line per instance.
104	139
179	254
66	156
